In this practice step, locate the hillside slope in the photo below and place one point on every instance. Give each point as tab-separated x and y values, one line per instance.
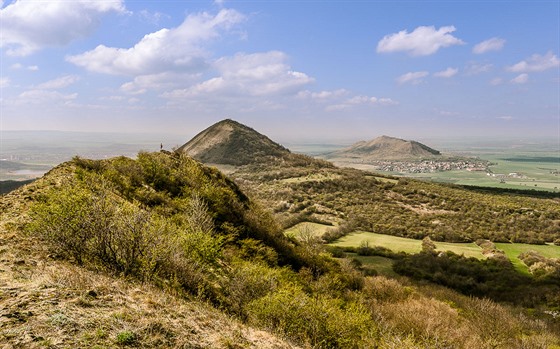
163	252
229	142
387	148
232	143
47	301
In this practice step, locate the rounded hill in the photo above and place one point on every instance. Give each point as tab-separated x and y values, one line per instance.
387	148
232	143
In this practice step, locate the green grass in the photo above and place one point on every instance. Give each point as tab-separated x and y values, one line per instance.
315	228
514	250
383	265
398	244
394	243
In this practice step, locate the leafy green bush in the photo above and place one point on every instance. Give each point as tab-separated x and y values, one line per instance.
320	321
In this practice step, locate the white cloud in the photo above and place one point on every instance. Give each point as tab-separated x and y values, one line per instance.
422	41
361	100
475	68
44	96
17	66
152	17
4	82
162	81
178	49
28	25
536	63
447	73
520	79
323	95
412	77
256	74
57	83
493	44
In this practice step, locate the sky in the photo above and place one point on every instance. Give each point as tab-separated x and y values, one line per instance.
294	70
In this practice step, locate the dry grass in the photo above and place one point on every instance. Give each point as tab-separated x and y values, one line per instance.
45	303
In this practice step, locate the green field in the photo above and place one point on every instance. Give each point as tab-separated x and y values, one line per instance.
398	244
383	265
538	170
514	250
314	228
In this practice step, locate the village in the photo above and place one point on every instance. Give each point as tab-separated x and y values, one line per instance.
430	166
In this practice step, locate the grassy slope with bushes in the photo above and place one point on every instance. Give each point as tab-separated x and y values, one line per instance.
405	208
168	233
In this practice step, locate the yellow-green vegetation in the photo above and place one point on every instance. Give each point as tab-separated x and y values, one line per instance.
385	179
513	251
315	229
398	244
310	177
164	252
381	265
394	243
403	207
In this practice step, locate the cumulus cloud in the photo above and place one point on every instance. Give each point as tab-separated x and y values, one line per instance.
58	83
422	41
412	77
256	74
520	79
447	73
493	44
178	49
536	63
28	25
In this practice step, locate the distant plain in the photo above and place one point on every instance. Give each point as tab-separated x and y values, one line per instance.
536	163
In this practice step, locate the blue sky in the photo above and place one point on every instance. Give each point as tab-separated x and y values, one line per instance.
295	70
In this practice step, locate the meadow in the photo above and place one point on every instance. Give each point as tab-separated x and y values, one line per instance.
383	265
398	244
513	251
